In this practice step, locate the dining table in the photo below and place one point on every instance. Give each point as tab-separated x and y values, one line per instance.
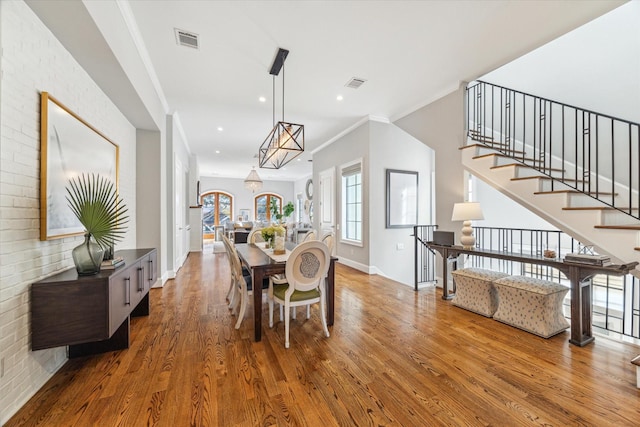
262	265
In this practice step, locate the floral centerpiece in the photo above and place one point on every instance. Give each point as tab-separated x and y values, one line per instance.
268	233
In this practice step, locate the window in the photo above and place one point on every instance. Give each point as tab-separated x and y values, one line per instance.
263	206
352	202
216	209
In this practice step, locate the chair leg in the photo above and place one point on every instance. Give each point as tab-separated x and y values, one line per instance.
293	313
243	307
286	325
231	293
270	311
323	315
235	301
308	311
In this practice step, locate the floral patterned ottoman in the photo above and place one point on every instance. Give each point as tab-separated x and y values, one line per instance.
531	304
475	291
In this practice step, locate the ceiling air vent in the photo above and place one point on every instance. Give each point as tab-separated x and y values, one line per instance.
355	82
186	38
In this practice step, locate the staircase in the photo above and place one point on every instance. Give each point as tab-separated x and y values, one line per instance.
577	169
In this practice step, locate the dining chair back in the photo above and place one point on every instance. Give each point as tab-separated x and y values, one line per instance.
232	293
255	236
329	239
311	235
305	270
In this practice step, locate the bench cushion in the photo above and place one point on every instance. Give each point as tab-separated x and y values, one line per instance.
531	284
475	291
531	304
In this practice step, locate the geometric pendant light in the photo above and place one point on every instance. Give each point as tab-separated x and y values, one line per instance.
285	142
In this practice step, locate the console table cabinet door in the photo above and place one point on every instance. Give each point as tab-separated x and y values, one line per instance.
150	269
68	313
120	298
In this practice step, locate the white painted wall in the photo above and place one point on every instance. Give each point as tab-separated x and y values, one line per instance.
596	66
150	194
180	191
440	125
299	190
500	211
352	146
393	148
33	60
381	146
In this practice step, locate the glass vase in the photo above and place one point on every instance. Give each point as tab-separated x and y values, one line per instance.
87	257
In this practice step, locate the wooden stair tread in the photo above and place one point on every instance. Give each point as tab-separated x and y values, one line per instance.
464	147
636	248
619	227
493	147
526	159
574	192
601	208
524	166
543	177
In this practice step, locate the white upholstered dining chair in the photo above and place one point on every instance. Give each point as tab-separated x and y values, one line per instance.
310	235
305	271
329	239
255	236
241	283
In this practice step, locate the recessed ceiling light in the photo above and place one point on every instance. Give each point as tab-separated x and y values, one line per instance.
262	99
220	128
217	151
299	159
339	98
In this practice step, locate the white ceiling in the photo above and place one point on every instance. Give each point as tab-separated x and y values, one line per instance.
410	52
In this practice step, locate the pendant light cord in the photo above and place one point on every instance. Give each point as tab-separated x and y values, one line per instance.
273	98
283	90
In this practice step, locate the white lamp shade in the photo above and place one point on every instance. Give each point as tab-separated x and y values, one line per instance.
467	211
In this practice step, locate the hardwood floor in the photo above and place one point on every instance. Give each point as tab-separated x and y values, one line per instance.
395	358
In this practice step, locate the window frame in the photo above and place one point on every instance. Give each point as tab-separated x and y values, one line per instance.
344	168
268	205
216	204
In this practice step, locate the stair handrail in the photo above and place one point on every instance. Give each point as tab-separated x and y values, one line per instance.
530	141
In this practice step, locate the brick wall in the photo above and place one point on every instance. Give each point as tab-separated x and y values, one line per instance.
33	60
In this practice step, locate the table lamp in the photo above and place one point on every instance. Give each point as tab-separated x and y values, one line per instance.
467	212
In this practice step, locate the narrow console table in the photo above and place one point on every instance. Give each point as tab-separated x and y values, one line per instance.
91	314
579	276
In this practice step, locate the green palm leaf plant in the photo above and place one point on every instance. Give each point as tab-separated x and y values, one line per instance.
101	211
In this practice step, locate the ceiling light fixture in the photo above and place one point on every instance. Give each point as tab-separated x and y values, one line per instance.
253	181
286	140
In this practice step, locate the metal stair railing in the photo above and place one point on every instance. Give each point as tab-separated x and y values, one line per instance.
424	260
592	153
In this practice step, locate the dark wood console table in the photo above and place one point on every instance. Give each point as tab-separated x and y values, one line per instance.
579	276
90	314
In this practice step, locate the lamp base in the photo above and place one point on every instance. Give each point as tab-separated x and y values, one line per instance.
467	238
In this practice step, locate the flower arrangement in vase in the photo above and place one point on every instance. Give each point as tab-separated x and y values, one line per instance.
102	212
269	233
